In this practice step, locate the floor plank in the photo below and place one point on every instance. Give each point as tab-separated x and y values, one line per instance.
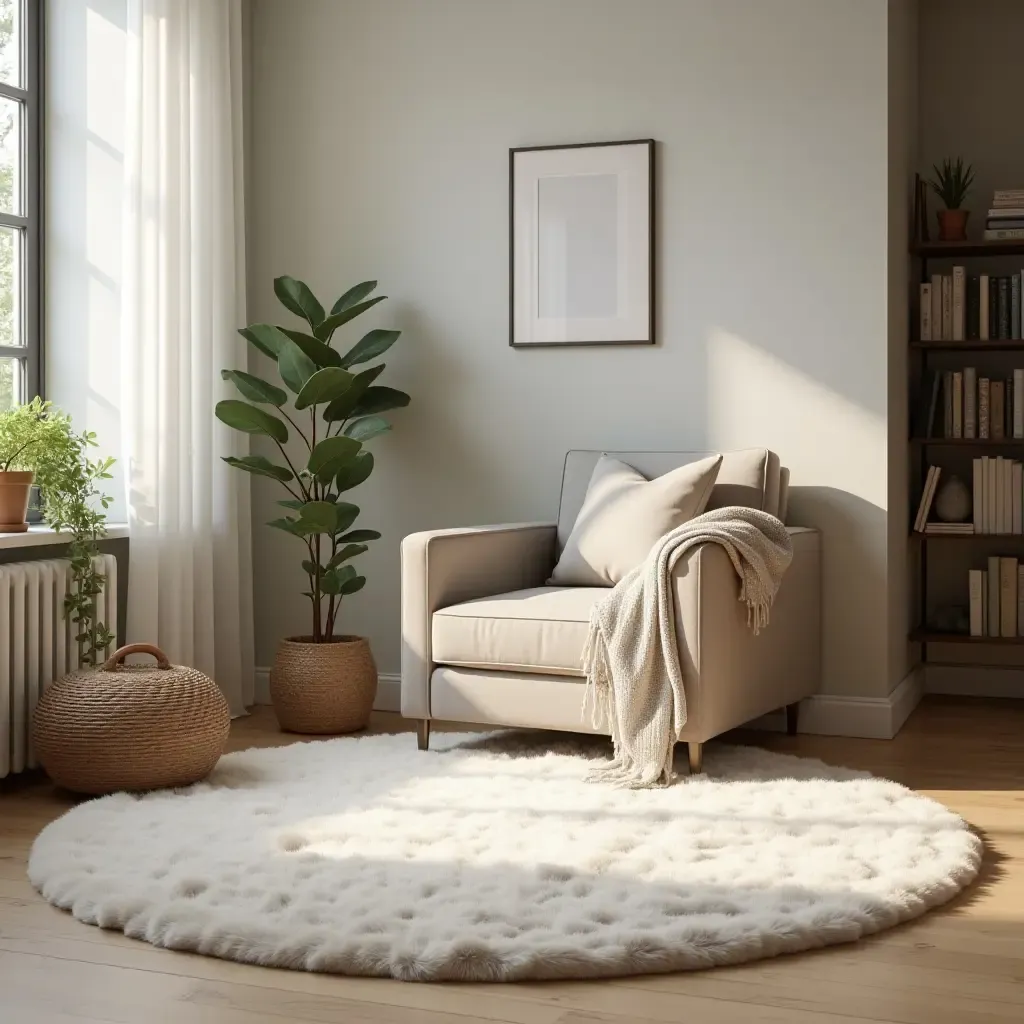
962	964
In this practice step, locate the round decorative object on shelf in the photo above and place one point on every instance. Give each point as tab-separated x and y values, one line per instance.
323	688
131	727
953	501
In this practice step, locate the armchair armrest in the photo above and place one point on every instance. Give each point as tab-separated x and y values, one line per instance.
445	567
731	675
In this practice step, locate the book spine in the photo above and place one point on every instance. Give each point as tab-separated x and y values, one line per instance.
975	588
983	327
1008	597
1000	501
1008	408
936	317
990	496
957	303
1003	310
995	409
1018	404
1007	495
1003	220
922	506
947	308
1017	492
1003	234
958	403
1020	599
993	595
973	327
925	325
984	400
971	401
1015	306
1006	211
977	491
947	403
993	307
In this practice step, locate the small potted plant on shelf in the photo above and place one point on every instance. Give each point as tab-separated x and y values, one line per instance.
38	446
323	682
952	184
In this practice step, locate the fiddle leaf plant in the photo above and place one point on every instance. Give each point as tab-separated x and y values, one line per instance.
319	423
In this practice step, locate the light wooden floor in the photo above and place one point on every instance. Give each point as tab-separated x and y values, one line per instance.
960	965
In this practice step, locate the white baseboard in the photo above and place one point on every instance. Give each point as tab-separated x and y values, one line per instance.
875	718
389	690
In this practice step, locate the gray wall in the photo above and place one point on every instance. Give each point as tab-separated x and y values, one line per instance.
380	136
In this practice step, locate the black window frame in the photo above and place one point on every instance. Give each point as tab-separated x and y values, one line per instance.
30	221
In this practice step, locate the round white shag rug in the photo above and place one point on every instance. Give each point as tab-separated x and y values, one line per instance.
490	858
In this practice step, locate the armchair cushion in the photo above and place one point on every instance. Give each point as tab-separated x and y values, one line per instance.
542	629
623	516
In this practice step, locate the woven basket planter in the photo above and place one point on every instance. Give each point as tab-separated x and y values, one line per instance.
131	727
323	688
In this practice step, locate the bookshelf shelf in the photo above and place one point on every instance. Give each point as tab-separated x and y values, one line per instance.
995	345
968	442
961	537
952	250
928	636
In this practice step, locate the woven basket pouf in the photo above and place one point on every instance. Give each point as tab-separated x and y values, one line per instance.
130	727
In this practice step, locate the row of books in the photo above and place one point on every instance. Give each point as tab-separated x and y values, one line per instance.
1006	217
996	596
972	406
979	307
997	506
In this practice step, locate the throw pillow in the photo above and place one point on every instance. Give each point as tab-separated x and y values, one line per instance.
624	515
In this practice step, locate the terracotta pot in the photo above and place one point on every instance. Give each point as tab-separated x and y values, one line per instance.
14	489
323	688
952	225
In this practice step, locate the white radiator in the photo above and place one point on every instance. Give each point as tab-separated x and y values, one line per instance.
37	644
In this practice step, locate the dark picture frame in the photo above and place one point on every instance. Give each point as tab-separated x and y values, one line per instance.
639	322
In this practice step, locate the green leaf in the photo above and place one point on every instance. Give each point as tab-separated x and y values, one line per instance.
345	516
257	339
332	452
288	525
250	420
367	427
330	584
354	585
355	472
255	389
355	294
360	535
308	567
324	386
380	399
291	503
260	466
295	366
321	354
296	297
347	552
335	320
370	346
341	408
318	516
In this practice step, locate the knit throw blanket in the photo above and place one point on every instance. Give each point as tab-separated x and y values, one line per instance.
634	680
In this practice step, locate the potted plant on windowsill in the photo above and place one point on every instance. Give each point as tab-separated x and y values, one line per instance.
322	682
952	184
38	446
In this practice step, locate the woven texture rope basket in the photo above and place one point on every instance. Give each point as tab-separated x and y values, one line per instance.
131	727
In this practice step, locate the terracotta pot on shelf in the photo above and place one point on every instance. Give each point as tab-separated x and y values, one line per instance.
952	225
14	491
325	688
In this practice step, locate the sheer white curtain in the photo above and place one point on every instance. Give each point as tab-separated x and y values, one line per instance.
190	573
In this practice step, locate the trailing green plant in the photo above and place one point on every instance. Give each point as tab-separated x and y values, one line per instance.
952	182
40	438
339	410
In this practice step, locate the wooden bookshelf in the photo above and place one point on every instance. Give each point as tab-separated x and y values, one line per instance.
931	636
964	537
957	250
968	442
996	345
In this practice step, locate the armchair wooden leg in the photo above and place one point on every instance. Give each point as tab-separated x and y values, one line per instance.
695	752
423	733
792	718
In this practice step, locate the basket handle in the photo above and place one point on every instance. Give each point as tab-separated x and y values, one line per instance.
113	663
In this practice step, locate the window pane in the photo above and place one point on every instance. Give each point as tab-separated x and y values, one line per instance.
10	41
12	382
10	155
10	287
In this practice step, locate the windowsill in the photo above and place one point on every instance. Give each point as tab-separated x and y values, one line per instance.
43	536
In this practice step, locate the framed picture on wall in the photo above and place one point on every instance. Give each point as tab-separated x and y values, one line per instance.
581	244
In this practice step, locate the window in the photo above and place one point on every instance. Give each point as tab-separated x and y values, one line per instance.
20	177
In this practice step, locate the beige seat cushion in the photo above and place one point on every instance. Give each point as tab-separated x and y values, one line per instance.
624	514
538	630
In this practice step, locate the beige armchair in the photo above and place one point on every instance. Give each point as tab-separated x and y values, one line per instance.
484	640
